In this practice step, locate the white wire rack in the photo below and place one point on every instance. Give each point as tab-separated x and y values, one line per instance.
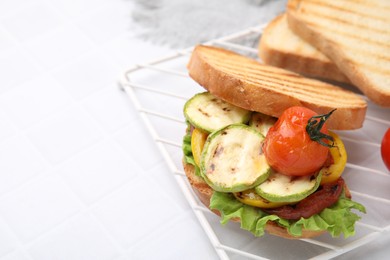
159	89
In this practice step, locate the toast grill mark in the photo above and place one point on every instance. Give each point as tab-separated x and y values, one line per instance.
380	56
359	37
331	5
373	4
362	4
270	76
264	68
280	85
270	82
231	69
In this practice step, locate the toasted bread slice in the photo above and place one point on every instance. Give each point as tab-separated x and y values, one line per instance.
281	47
355	35
246	83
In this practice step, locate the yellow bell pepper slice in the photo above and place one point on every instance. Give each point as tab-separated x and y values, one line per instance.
250	197
198	139
333	172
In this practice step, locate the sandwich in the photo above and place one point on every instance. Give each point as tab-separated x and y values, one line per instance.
259	147
354	35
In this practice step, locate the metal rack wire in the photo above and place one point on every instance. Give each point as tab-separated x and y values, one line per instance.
172	69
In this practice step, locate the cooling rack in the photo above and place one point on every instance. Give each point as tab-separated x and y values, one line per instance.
158	89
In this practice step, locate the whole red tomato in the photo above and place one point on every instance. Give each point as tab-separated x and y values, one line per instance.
385	148
289	148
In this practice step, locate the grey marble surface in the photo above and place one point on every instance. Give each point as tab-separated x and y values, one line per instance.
183	23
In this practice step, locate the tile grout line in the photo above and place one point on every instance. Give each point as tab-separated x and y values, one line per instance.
23	246
86	209
48	166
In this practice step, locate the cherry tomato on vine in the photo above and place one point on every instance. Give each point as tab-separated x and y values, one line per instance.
385	149
290	149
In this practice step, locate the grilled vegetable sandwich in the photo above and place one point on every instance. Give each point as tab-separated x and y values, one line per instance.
259	147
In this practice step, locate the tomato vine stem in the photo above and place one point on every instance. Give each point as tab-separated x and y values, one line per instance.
313	128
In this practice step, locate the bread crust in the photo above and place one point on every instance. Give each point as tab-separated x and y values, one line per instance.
282	48
246	83
204	193
373	84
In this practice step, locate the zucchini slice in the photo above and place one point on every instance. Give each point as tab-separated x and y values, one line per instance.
209	113
282	188
232	159
262	122
250	197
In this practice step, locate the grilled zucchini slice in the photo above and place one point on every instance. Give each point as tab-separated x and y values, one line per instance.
209	113
282	188
232	159
262	122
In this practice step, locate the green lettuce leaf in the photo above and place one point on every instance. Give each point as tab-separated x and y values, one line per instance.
337	219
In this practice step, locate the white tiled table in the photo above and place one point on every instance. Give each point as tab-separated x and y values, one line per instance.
79	176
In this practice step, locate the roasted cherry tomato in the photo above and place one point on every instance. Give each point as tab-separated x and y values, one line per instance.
198	139
338	153
288	146
385	149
